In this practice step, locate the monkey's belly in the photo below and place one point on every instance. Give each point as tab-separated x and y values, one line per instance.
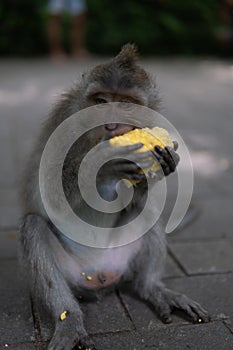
100	279
93	268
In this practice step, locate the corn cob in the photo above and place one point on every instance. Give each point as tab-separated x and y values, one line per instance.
149	138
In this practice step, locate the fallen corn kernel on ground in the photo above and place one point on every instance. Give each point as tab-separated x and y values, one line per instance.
149	138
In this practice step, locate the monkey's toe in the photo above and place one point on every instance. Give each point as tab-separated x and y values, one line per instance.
170	301
194	310
86	344
85	347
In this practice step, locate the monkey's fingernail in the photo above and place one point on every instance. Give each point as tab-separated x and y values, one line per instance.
175	144
158	149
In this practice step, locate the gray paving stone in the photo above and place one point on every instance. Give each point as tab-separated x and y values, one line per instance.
214	293
7	153
8	244
214	221
9	208
16	323
213	336
204	257
225	183
171	269
107	315
229	324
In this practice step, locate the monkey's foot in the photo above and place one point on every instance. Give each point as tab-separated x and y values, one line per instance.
85	345
168	300
68	337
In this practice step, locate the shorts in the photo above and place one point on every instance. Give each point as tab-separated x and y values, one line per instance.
73	7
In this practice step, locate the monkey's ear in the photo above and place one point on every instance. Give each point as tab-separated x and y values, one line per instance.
128	56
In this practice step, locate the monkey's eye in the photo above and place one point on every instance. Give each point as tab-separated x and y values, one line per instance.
99	100
126	105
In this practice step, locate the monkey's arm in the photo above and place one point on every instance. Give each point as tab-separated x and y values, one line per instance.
38	246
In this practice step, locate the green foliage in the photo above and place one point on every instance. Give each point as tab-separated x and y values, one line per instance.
156	26
22	27
162	26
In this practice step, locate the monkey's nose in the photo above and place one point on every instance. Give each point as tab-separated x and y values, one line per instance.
111	126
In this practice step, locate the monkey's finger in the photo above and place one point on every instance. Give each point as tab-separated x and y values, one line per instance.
134	157
85	347
202	314
145	164
168	153
85	344
163	164
175	145
164	312
166	157
132	176
110	151
166	318
134	166
169	156
175	156
191	308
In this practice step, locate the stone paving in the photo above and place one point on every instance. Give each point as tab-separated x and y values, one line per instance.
198	100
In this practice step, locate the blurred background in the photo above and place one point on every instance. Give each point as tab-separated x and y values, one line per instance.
159	27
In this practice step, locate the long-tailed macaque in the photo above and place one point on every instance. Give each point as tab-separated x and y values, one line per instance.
61	269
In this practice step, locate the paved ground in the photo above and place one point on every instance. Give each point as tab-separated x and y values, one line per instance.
198	99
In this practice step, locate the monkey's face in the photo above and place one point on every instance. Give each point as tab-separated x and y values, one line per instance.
126	101
123	81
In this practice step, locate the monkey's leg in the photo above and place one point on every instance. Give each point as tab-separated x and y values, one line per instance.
38	245
149	287
165	300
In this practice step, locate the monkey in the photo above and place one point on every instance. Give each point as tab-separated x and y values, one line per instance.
60	269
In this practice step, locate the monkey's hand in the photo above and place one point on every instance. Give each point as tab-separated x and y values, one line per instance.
125	163
168	160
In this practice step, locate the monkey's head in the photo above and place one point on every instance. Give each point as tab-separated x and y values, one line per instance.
120	80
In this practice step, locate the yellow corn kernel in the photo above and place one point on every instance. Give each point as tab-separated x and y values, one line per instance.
63	315
89	278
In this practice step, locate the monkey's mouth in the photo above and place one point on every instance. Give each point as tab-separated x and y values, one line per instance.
120	130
